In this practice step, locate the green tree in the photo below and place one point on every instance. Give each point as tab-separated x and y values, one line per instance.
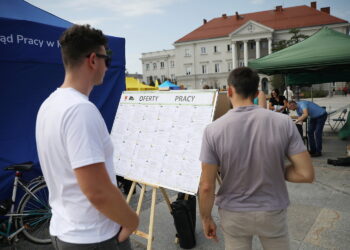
294	39
278	80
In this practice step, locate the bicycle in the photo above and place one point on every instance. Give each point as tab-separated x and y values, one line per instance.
33	213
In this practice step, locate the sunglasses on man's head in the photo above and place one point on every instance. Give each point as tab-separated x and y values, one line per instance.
108	57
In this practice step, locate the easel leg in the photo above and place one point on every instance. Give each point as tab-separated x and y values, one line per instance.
131	191
166	198
142	194
151	222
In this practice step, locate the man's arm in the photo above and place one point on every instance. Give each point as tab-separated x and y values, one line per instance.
95	183
303	116
301	170
262	99
206	199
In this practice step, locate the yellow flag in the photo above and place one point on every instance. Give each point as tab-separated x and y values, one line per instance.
156	83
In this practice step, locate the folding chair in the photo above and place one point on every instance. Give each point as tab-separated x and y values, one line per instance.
339	121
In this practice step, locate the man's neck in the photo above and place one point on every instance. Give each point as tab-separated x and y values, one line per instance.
77	81
238	102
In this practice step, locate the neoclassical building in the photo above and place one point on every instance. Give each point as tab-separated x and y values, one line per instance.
206	55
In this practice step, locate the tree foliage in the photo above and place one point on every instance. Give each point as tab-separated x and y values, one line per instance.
294	39
278	80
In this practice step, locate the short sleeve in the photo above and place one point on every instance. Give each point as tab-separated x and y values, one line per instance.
82	130
296	144
302	106
208	154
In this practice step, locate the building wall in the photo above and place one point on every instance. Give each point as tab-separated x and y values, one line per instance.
164	62
208	62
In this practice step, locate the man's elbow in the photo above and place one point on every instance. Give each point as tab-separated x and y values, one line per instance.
206	188
310	178
96	196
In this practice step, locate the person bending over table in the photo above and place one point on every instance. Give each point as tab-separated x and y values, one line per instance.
318	116
278	103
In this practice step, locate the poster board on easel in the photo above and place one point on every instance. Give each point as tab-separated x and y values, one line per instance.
157	136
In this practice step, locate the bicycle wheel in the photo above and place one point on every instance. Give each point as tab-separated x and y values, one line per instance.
35	215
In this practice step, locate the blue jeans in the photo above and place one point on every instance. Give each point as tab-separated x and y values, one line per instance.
315	133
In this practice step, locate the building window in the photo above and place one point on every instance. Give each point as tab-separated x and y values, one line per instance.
217	68
204	69
241	46
188	70
162	65
149	79
264	45
252	45
172	64
229	66
241	64
147	67
187	52
228	47
172	76
216	49
203	50
163	78
154	65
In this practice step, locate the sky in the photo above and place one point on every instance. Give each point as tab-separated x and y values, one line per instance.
154	25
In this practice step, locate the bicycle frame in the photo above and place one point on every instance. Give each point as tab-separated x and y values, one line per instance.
17	182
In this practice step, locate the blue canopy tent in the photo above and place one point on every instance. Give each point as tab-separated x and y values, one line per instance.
30	69
168	84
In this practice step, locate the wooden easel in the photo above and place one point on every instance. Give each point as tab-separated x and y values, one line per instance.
148	236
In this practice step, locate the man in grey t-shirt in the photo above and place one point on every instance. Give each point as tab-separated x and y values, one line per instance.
248	146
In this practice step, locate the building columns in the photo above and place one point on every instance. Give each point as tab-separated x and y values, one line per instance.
257	48
234	55
270	45
245	53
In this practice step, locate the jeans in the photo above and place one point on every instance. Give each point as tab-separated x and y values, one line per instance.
315	133
111	244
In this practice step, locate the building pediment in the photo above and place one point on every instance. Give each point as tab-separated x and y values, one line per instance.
251	30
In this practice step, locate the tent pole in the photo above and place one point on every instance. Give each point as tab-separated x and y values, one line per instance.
285	85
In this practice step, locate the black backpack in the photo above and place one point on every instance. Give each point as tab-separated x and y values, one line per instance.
184	213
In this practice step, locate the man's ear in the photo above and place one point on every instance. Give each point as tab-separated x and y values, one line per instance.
229	91
256	94
91	60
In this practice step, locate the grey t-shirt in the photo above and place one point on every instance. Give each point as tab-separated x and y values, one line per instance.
249	144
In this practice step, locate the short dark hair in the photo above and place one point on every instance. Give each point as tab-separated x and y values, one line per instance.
79	41
276	91
245	81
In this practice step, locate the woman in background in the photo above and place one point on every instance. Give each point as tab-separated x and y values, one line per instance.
278	103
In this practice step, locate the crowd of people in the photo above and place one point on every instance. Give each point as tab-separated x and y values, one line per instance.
247	146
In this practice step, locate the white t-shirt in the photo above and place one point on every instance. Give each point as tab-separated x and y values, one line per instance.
290	94
71	133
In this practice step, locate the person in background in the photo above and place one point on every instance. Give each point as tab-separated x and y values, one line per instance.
318	116
76	153
278	103
248	145
260	100
288	93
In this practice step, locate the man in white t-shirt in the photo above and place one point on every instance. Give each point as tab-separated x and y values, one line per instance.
288	93
75	152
